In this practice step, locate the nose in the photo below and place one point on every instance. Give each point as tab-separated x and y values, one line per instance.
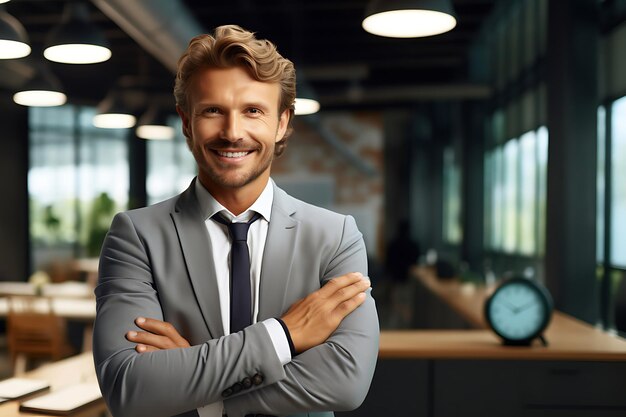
231	130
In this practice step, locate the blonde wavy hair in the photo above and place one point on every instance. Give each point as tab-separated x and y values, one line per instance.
233	46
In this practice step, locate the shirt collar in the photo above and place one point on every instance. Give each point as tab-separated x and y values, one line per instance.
210	206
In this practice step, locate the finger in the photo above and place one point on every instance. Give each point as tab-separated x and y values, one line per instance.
336	284
162	328
348	306
153	325
146	338
145	348
348	292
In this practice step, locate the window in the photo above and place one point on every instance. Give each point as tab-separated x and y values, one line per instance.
493	198
171	166
528	193
509	196
51	177
498	196
515	194
601	184
618	179
488	199
452	230
611	213
77	180
542	187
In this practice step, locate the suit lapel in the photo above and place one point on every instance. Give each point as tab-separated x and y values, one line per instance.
278	256
196	248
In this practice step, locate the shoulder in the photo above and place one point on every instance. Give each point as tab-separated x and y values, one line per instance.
303	211
148	219
162	208
315	218
185	201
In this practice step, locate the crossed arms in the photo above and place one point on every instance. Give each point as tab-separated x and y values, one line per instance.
332	372
310	320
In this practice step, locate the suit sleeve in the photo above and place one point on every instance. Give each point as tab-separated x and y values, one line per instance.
336	375
166	382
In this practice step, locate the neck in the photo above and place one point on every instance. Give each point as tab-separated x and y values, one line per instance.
237	199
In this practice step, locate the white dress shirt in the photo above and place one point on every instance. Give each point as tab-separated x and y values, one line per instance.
221	245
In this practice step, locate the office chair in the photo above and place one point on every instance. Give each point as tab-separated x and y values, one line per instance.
34	332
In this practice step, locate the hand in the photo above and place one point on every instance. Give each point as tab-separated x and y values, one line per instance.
158	335
314	318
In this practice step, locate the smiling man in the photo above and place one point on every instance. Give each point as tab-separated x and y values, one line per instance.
232	123
234	298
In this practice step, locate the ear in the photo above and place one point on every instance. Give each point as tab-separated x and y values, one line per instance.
186	122
283	122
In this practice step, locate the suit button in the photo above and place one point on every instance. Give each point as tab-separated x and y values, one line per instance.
227	392
236	387
257	379
246	383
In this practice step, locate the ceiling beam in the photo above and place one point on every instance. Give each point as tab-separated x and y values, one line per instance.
408	93
161	27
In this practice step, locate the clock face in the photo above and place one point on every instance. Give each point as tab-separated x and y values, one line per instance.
519	310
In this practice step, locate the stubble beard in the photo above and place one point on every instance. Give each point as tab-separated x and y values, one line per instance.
228	180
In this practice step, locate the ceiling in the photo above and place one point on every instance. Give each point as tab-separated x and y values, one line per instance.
346	66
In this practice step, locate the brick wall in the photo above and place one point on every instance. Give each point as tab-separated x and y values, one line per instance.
313	169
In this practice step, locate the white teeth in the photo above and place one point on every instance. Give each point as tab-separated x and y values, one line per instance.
232	154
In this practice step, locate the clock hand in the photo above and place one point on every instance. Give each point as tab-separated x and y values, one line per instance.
524	307
509	306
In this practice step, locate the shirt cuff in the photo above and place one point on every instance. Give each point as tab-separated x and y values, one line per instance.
279	340
292	348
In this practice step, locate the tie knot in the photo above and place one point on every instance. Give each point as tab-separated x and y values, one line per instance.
238	231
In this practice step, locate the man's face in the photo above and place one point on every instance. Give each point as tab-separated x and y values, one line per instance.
232	127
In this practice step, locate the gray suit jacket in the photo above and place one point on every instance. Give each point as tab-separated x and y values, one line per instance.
155	263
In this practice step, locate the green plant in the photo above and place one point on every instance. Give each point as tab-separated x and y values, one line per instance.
99	220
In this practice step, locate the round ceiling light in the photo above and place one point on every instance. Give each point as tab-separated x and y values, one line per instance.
40	98
409	18
77	53
13	38
114	121
75	40
304	106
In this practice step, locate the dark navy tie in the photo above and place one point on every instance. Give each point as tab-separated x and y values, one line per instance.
240	289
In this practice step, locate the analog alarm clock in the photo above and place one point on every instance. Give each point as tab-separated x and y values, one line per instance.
519	310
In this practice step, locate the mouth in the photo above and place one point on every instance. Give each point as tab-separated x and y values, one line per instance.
232	155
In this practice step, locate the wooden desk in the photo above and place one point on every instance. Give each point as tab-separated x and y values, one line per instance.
455	372
577	343
67	289
77	309
465	299
568	337
66	372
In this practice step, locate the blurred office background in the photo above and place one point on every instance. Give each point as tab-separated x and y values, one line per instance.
496	148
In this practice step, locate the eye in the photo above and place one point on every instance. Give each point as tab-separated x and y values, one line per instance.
254	111
211	111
